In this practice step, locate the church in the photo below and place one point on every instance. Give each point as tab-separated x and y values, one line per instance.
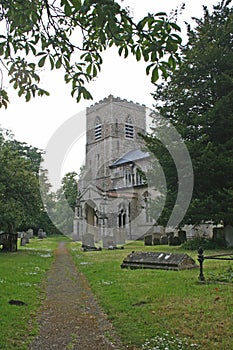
113	194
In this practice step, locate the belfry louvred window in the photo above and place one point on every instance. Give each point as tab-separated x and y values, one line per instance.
98	129
129	129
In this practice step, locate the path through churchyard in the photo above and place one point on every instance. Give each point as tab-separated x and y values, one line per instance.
70	318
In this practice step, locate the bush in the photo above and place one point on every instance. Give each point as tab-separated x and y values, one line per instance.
205	243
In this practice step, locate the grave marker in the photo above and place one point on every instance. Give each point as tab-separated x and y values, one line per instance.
158	260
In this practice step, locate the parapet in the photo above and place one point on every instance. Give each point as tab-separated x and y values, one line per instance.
112	99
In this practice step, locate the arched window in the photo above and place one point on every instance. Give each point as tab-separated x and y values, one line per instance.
122	218
128	177
98	129
147	201
129	130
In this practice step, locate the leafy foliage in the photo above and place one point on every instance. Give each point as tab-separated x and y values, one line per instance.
198	101
72	34
19	193
70	188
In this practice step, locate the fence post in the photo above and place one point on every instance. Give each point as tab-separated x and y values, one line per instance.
201	260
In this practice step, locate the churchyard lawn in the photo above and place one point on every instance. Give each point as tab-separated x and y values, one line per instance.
146	304
171	307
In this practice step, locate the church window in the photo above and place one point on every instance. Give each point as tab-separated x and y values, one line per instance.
98	129
147	201
129	129
122	219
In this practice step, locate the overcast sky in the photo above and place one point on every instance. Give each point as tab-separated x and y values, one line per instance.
35	122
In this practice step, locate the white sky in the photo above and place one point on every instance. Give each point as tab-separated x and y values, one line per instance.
36	121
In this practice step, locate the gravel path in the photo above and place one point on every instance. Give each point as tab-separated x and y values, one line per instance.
70	318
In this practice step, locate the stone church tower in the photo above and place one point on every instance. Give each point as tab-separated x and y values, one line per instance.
113	126
111	187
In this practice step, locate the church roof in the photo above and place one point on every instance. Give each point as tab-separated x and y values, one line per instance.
130	157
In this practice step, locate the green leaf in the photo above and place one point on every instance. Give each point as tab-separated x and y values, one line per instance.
77	4
126	52
1	49
58	63
95	72
138	54
68	9
155	75
88	70
28	96
148	68
42	61
120	50
172	62
51	62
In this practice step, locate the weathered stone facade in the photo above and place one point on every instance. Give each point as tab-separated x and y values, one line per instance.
113	194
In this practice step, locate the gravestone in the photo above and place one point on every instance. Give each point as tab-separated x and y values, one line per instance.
164	240
29	233
88	240
228	234
148	240
25	237
173	240
40	233
182	236
158	260
23	241
219	235
119	236
109	242
156	241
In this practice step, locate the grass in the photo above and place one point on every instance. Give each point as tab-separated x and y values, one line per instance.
150	309
22	276
145	304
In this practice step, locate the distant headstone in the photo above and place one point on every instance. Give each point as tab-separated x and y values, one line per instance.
148	240
23	241
109	242
119	236
228	234
40	233
29	233
156	241
163	240
182	236
158	260
218	233
174	241
88	240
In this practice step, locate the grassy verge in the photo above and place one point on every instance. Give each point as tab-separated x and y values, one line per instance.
21	278
146	304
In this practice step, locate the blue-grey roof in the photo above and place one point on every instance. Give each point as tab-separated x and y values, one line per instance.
130	157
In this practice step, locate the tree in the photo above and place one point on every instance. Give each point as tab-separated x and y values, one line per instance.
72	34
198	100
70	188
19	192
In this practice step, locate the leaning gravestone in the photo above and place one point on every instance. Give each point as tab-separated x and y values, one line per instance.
23	241
228	234
158	260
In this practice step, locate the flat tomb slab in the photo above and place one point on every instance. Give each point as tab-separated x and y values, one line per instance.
158	260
